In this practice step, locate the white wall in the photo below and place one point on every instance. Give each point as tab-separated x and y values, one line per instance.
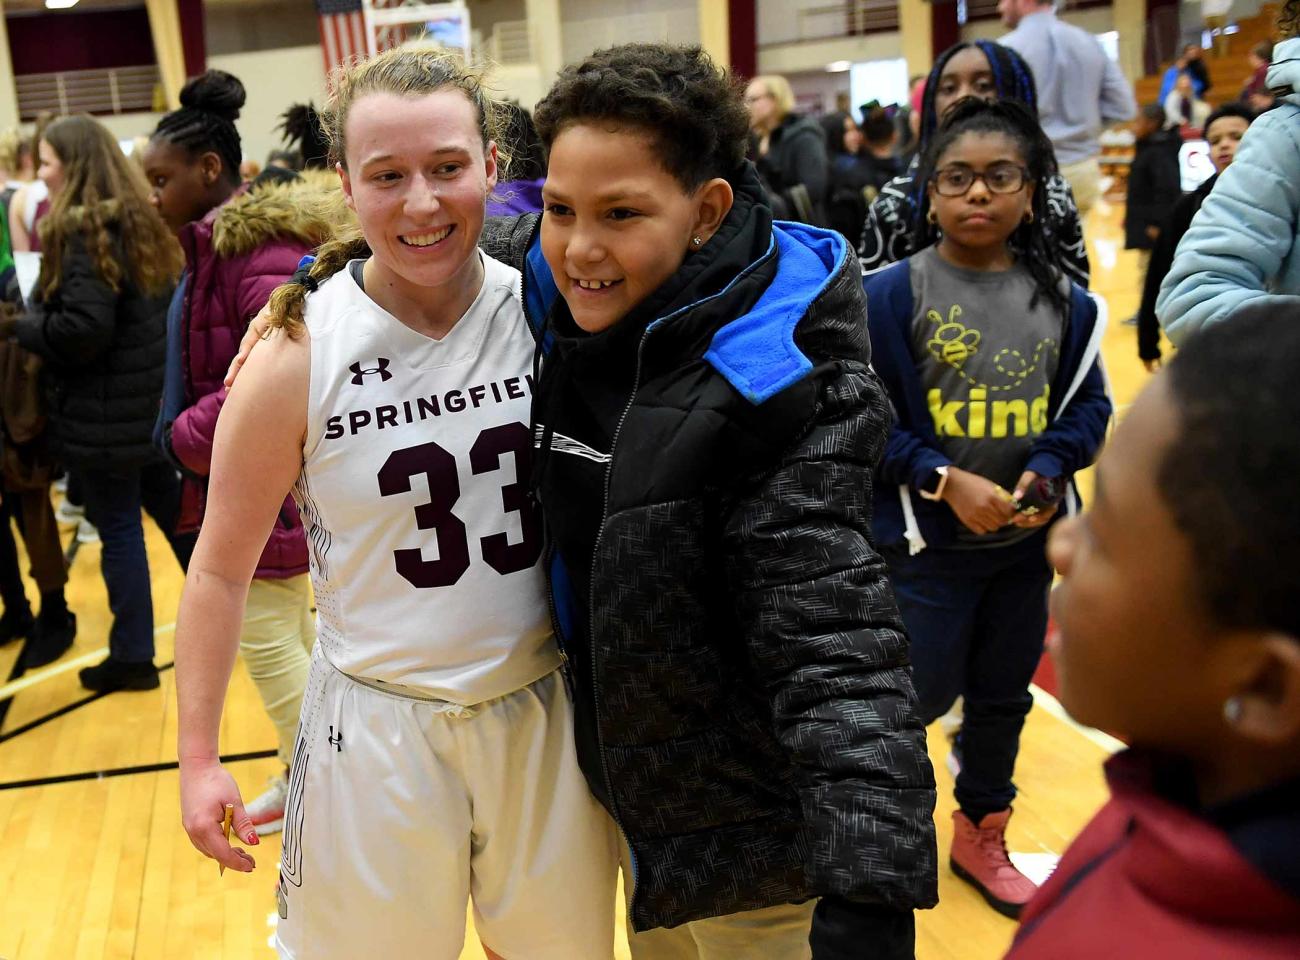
522	82
274	79
589	25
786	21
128	126
814	92
235	27
805	57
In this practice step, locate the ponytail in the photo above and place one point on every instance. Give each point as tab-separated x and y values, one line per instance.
288	302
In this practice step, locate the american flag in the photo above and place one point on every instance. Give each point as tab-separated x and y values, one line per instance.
343	31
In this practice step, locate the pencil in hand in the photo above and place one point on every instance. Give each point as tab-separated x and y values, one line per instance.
226	820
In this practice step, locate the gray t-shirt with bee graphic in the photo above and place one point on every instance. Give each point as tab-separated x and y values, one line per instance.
986	360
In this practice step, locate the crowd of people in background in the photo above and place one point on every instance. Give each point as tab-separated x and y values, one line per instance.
884	547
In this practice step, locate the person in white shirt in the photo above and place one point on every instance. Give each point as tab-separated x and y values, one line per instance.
1080	90
435	761
1183	108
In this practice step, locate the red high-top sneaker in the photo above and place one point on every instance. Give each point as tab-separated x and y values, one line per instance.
979	856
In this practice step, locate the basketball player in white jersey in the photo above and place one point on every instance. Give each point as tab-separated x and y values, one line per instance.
435	760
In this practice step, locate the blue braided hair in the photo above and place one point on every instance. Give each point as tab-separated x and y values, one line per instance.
1012	77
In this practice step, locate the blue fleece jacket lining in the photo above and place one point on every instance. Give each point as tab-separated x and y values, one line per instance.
540	290
756	352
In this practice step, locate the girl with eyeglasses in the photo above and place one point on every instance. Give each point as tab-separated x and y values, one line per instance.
894	228
990	356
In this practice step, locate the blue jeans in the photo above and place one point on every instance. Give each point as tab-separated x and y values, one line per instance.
977	620
113	503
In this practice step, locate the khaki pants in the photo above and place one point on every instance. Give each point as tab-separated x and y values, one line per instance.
773	933
1084	179
276	641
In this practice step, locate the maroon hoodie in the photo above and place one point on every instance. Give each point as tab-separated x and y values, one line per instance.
1152	877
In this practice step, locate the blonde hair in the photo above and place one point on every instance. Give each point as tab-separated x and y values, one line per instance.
11	142
779	87
413	70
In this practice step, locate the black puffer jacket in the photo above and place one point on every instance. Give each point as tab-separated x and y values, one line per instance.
796	170
744	701
104	355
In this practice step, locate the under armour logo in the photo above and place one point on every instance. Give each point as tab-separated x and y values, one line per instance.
337	741
380	367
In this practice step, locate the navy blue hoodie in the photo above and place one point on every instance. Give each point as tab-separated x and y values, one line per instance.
1078	415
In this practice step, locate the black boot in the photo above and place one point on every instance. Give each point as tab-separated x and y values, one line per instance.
118	675
55	630
16	623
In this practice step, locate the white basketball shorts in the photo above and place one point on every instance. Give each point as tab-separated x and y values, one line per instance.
402	810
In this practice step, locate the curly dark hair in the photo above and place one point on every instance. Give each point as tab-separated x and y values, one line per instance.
301	124
694	112
1288	18
1228	477
1040	255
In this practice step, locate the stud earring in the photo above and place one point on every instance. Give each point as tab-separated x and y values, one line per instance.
697	242
1233	709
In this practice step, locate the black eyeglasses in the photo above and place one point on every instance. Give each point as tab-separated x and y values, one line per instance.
956	180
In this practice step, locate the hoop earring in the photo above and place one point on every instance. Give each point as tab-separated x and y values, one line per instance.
932	218
1233	709
1029	216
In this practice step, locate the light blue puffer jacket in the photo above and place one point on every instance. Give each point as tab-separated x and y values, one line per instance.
1244	245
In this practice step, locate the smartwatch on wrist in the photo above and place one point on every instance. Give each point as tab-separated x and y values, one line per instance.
933	489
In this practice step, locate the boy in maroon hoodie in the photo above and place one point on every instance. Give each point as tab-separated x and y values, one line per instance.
1180	631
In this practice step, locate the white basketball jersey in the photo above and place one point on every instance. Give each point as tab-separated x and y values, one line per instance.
425	547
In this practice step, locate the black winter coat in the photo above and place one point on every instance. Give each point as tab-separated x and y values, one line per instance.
1154	186
796	170
755	723
104	354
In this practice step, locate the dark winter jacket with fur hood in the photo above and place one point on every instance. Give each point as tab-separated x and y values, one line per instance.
104	354
743	698
235	257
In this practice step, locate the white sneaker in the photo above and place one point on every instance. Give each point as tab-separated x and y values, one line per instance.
86	532
267	811
69	514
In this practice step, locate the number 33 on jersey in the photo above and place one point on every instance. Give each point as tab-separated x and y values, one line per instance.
425	547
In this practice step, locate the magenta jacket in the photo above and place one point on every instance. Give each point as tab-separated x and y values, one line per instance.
236	256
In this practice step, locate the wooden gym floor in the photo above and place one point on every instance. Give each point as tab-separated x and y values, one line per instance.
96	865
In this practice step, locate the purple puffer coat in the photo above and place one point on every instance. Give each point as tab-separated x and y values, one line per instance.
236	256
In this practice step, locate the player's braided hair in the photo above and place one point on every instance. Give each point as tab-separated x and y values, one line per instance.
210	104
972	115
413	70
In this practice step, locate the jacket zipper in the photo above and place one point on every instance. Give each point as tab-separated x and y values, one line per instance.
591	625
600	534
566	670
